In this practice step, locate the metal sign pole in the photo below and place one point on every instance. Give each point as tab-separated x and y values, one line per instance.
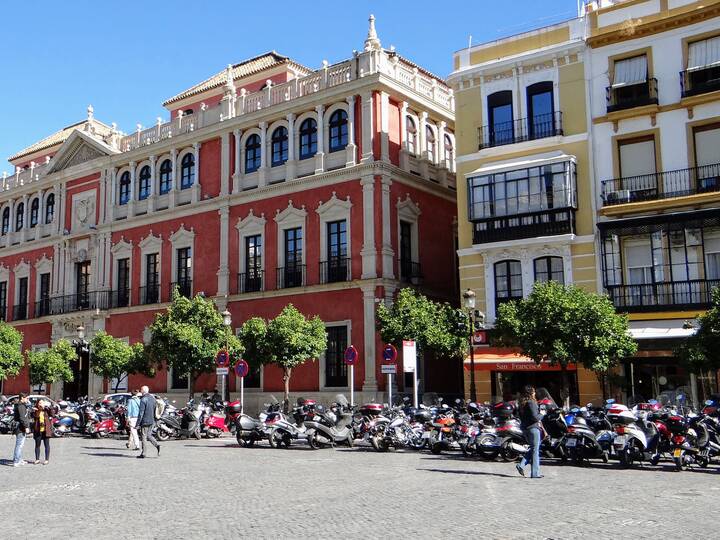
222	387
415	388
389	385
242	394
352	385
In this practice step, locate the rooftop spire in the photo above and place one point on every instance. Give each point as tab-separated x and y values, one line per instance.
228	75
90	112
372	42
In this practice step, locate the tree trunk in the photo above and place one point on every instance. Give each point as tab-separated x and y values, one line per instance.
191	380
287	372
565	392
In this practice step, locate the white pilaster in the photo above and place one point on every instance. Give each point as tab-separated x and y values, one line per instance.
368	251
384	126
41	211
320	154
152	199
131	202
388	255
291	163
263	171
237	134
175	181
370	384
196	189
225	164
113	194
351	148
223	273
367	126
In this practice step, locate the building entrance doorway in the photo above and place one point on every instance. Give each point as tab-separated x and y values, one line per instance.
81	376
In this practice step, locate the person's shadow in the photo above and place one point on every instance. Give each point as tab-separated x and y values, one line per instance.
107	454
479	473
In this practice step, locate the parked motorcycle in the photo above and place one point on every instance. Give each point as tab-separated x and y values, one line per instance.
331	426
249	430
182	424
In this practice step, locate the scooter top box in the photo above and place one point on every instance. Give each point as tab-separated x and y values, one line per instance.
371	409
619	414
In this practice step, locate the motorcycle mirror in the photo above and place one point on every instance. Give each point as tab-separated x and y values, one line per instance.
708	402
457	400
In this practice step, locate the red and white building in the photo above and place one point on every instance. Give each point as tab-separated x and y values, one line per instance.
271	183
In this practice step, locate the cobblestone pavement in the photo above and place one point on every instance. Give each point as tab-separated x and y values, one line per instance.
214	489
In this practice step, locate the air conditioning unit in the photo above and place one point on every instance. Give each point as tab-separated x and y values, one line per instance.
616	197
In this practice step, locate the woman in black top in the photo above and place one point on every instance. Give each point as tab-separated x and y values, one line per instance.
530	418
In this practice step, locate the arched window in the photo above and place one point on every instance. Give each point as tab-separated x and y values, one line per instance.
279	142
430	143
308	138
411	135
508	282
49	208
34	212
124	195
19	216
6	221
449	151
549	269
144	183
252	153
338	130
187	171
165	176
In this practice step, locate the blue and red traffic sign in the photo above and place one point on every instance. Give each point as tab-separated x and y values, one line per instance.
390	354
242	368
351	355
222	358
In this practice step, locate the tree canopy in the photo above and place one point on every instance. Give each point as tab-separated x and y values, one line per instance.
11	357
188	335
701	351
51	365
112	358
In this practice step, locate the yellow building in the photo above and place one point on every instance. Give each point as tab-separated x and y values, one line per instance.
526	202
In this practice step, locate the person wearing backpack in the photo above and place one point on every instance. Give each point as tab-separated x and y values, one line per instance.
146	421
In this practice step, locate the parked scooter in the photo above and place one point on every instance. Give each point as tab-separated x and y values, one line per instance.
328	427
249	430
285	429
184	424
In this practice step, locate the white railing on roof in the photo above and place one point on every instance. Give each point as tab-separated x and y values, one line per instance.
23	176
329	76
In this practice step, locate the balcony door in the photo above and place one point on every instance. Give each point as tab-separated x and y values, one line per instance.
541	110
637	168
293	257
82	285
707	157
500	114
253	263
336	251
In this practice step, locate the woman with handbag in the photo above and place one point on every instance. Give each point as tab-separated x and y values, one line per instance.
42	429
530	422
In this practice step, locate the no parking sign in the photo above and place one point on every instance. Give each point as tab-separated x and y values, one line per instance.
242	368
351	355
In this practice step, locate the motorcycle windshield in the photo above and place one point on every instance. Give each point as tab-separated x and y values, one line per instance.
543	397
341	400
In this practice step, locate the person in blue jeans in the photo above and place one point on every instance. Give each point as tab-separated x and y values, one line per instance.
22	428
530	418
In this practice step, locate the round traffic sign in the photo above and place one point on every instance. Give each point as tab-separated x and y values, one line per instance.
242	368
351	355
222	358
390	353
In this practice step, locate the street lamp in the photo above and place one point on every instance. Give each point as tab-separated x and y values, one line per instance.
227	321
81	347
469	303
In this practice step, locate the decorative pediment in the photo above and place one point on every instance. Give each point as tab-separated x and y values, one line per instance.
290	214
43	265
334	206
251	222
22	268
4	272
407	207
182	235
79	148
151	243
121	249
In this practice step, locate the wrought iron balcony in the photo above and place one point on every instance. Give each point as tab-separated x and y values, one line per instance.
184	288
520	130
120	298
699	81
543	223
631	95
79	302
291	276
20	312
335	270
689	294
662	185
410	272
42	307
150	294
251	281
3	312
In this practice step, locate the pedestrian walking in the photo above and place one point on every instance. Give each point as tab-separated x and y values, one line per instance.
146	420
133	410
22	428
530	418
42	429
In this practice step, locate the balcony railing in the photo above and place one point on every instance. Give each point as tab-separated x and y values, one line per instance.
335	270
120	298
150	294
690	294
699	81
252	281
3	312
662	185
523	129
184	287
631	95
20	312
543	223
291	276
42	307
410	272
80	302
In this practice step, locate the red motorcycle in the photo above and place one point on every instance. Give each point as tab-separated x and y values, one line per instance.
213	424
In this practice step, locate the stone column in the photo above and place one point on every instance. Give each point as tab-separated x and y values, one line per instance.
60	203
174	180
54	286
367	127
131	202
291	162
196	189
263	171
351	149
422	145
223	273
41	206
370	384
113	194
368	251
26	215
320	154
404	158
384	127
238	164
225	164
440	158
152	199
388	255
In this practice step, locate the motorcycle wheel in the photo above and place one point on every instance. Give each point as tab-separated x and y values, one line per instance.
313	441
680	463
213	433
276	439
378	443
466	450
162	435
626	458
507	453
436	448
58	433
703	462
350	441
655	459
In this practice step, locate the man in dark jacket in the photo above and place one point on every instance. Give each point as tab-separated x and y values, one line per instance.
22	428
146	420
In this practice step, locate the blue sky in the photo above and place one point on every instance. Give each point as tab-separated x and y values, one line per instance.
126	57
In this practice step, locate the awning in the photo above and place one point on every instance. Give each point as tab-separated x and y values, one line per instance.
502	359
703	53
512	165
630	71
664	329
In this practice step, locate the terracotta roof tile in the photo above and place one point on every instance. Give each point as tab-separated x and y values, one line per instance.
60	137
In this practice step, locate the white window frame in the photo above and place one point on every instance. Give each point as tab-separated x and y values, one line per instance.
182	238
348	324
290	218
410	212
252	225
149	245
122	250
42	266
334	209
169	386
21	270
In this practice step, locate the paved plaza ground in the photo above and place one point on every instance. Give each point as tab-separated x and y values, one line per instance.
214	489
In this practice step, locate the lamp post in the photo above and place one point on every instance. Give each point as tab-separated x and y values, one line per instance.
81	347
469	303
227	321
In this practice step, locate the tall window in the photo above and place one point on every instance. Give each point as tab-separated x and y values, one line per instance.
152	279
187	171
707	142
508	282
500	112
82	284
165	176
19	216
6	221
338	130
144	183
637	158
540	103
411	135
293	257
124	188
337	269
50	208
44	300
335	366
406	262
430	143
123	282
549	268
34	212
252	153
308	138
279	142
253	263
21	307
3	300
449	151
630	82
184	271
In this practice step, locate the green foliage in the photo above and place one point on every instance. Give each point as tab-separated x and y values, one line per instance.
112	358
434	326
53	364
188	335
701	351
566	324
253	336
11	357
